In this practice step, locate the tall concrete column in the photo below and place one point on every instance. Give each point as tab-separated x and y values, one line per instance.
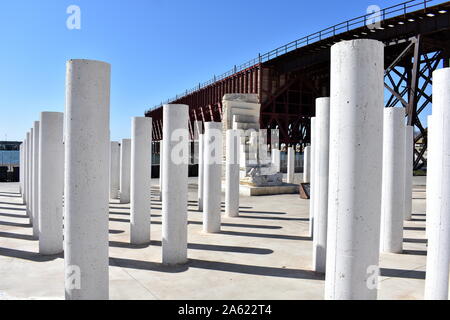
356	130
307	164
409	164
125	170
141	174
393	189
25	177
87	144
263	154
312	183
161	162
232	173
276	159
51	183
275	149
431	165
438	256
23	170
114	170
29	173
212	162
21	164
322	140
201	148
198	129
290	165
175	183
35	194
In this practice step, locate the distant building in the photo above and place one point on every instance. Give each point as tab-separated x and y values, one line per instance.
9	161
10	154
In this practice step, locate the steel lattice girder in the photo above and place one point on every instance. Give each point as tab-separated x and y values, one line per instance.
408	80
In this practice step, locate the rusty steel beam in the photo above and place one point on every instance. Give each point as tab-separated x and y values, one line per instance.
288	84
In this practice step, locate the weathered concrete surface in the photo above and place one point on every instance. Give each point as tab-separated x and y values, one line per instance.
266	247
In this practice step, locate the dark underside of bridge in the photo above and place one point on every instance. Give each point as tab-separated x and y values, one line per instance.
417	43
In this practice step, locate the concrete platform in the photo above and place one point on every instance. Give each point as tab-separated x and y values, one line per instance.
263	254
285	188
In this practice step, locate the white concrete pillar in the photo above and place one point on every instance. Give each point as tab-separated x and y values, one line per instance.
114	170
21	164
25	176
409	164
141	174
253	147
290	165
175	183
312	183
201	148
276	160
275	150
29	173
51	183
393	188
212	188
87	144
356	130
263	154
35	194
161	162
321	191
125	170
438	256
232	173
197	126
431	165
307	164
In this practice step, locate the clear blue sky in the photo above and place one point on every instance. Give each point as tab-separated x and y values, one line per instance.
157	48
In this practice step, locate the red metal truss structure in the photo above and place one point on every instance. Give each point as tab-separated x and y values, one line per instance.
290	78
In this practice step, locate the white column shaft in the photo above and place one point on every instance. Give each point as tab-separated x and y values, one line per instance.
125	170
312	183
409	161
35	194
175	183
276	160
114	171
307	164
431	165
393	189
87	144
141	157
321	180
232	173
29	173
21	165
197	125
51	183
290	165
25	175
161	162
201	147
356	130
212	192
438	256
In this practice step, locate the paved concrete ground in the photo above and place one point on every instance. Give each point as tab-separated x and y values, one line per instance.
263	254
